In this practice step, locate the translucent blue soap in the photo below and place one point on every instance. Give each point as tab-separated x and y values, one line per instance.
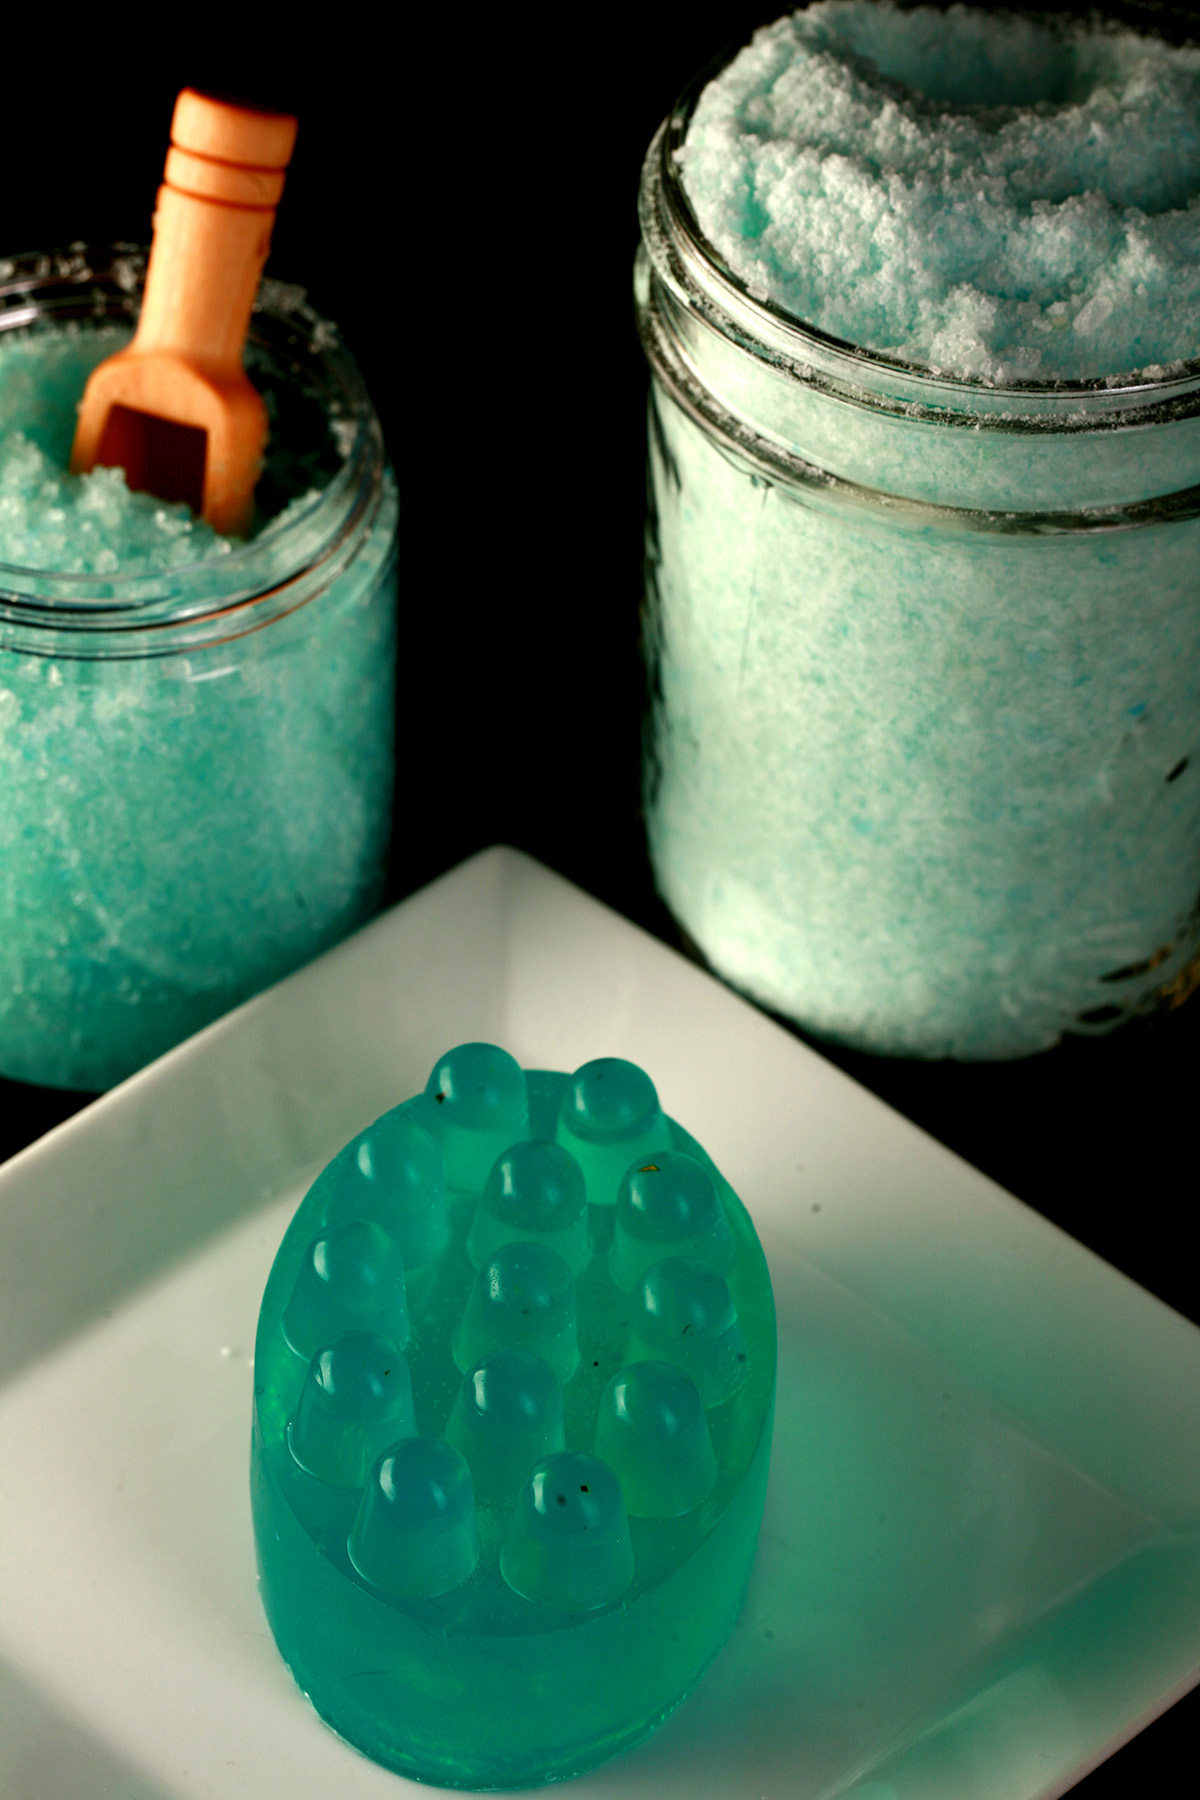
514	1387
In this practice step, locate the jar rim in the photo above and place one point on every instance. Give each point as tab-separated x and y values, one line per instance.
242	587
804	342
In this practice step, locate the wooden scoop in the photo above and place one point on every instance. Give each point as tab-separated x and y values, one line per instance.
176	409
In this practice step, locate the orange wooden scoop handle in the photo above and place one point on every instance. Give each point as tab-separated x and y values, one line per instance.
183	373
212	227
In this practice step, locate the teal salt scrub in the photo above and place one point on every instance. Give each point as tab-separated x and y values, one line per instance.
92	524
978	193
924	603
195	733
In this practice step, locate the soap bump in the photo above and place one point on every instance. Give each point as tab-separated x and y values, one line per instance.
357	1398
683	1313
569	1545
396	1176
523	1299
507	1415
350	1276
536	1194
478	1102
667	1207
609	1119
416	1536
653	1433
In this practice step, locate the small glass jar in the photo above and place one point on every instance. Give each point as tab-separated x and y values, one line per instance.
196	766
922	765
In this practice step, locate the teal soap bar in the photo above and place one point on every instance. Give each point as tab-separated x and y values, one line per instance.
514	1388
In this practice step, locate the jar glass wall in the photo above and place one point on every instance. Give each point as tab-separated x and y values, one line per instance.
923	746
196	764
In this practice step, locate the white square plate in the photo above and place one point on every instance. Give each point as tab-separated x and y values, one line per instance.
979	1569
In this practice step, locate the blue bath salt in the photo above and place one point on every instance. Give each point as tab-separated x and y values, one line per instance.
177	829
977	192
92	524
501	1537
921	769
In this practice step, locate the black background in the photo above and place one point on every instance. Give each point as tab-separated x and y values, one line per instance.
462	201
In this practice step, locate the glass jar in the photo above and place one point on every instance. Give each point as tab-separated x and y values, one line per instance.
196	766
922	766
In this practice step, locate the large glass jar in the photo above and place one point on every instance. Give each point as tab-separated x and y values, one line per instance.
923	749
195	767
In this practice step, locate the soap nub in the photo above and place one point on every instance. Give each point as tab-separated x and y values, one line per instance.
515	1379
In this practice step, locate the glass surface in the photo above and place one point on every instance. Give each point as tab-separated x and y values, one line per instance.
537	1544
921	754
195	763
